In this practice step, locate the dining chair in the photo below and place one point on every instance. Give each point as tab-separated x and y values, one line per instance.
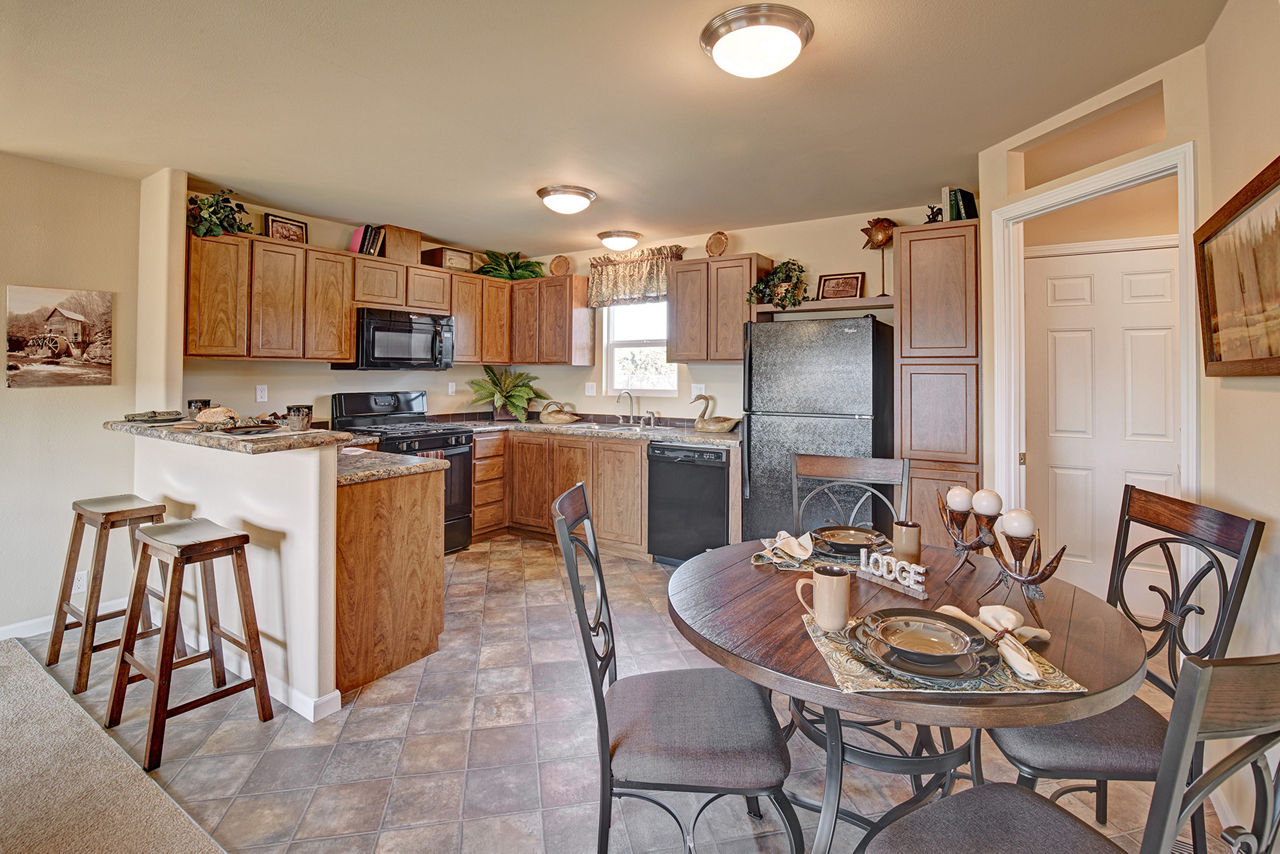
706	731
1125	742
1235	698
865	477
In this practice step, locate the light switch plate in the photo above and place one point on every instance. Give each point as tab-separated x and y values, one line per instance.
590	390
261	394
698	388
453	388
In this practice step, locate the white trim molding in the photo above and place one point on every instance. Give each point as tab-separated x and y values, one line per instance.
1009	307
1100	247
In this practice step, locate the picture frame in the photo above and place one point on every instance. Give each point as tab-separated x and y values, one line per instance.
1238	281
283	228
841	285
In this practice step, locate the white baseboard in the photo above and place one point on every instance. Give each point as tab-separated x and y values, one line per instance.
40	625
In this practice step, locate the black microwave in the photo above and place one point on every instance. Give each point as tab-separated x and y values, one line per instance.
400	341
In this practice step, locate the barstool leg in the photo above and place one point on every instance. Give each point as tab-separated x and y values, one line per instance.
129	637
164	667
249	621
133	550
64	591
92	597
210	596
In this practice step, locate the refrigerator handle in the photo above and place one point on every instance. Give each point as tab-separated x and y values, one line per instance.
746	368
746	455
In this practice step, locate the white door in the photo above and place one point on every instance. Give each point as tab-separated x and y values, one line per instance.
1103	404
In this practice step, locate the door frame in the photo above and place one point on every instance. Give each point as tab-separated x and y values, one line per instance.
1009	305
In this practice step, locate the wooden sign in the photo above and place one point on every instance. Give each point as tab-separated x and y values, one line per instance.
899	575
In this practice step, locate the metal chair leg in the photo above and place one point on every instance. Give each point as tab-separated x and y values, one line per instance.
606	813
794	834
1100	801
753	807
1026	781
975	757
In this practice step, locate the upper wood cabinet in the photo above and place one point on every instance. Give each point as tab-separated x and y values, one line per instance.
551	323
936	285
495	322
329	319
277	297
428	288
707	306
379	282
524	322
218	296
619	491
939	410
468	294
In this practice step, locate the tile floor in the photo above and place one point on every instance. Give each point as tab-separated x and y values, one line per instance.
487	745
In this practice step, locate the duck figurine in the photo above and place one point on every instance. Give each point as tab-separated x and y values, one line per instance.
715	424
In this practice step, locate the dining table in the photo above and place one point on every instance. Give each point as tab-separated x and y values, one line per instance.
747	618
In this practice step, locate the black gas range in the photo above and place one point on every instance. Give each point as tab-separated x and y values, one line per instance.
400	422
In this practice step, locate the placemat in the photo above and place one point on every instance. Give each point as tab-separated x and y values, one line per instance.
853	674
781	560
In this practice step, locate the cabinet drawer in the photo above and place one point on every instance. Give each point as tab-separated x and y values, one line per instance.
494	445
489	516
491	469
489	491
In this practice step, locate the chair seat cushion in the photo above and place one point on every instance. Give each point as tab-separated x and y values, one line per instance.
990	819
703	728
1121	744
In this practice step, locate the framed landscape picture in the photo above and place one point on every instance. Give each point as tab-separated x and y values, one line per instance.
1238	280
57	337
283	228
840	285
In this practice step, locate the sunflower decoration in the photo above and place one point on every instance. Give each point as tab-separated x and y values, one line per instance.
879	232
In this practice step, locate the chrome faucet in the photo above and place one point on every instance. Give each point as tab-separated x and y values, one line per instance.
652	416
631	407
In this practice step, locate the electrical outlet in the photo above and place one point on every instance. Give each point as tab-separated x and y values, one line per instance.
590	390
453	388
261	394
81	582
698	388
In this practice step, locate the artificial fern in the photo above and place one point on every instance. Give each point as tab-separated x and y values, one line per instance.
509	265
514	390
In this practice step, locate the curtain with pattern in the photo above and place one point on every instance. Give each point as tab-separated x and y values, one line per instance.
632	277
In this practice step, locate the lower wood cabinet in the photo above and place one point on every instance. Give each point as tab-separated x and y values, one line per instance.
619	493
489	483
922	498
529	483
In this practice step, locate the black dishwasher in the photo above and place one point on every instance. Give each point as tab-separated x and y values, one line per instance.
688	501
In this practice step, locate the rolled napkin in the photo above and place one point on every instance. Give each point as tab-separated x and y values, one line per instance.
1017	656
799	548
1004	617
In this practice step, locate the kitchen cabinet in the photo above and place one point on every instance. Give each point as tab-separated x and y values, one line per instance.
428	289
277	298
489	482
707	306
379	282
524	322
468	294
570	465
922	502
329	318
619	491
495	322
529	485
936	284
551	323
218	296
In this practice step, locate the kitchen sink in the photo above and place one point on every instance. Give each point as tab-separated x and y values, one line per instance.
623	428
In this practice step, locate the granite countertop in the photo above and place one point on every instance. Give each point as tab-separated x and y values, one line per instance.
356	467
676	435
266	443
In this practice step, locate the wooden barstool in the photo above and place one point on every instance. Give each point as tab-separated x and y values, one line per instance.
178	544
103	514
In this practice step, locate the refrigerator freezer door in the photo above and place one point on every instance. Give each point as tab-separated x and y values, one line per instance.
770	441
820	367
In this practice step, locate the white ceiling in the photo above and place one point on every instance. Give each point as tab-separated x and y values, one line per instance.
446	116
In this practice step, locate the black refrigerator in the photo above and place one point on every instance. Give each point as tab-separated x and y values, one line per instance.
810	387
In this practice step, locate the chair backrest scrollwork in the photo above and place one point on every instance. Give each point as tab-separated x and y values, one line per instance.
848	484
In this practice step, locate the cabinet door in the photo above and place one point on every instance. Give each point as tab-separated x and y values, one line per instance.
570	464
554	322
218	296
379	282
922	500
330	319
277	296
529	481
939	412
428	289
467	295
687	311
937	281
728	281
524	323
618	491
495	323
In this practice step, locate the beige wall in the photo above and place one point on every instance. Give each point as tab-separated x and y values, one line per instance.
1143	211
63	228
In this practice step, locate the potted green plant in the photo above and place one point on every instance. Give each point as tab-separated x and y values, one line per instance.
508	392
509	265
214	214
782	286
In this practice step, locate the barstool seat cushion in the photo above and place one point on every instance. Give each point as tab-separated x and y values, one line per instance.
188	537
705	728
117	507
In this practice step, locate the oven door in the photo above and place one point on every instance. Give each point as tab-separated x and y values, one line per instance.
457	495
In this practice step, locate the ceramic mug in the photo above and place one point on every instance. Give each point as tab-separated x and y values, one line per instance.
830	597
906	541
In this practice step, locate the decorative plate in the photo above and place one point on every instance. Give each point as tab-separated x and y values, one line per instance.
559	266
971	665
250	429
846	540
158	419
717	243
921	636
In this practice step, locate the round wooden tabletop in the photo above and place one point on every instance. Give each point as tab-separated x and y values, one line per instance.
747	619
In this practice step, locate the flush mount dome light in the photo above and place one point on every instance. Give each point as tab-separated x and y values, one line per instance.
566	198
619	241
756	40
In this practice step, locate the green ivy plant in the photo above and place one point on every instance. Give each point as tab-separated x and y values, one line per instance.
783	286
508	390
214	214
509	265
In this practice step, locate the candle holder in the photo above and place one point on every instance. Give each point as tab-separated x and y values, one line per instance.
964	549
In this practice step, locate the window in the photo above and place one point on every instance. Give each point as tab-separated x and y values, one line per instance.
636	350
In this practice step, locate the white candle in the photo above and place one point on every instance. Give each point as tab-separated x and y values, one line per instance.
1019	523
987	502
960	499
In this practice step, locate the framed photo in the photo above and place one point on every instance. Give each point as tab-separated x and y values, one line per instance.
1238	280
283	228
57	337
840	285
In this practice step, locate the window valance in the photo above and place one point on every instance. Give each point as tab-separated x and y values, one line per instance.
637	276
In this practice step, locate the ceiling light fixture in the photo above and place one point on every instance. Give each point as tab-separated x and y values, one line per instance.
619	241
756	40
566	198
